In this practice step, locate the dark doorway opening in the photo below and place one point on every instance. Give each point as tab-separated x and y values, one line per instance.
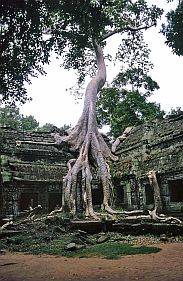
176	190
97	193
97	196
120	195
1	198
27	200
54	201
149	194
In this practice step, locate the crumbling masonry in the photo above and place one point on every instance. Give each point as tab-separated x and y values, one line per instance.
31	173
154	146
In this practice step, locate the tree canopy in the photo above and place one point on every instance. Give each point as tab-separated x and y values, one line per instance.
125	102
10	117
173	29
48	127
30	30
23	49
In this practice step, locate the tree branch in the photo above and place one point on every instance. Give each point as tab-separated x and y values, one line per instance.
121	138
126	28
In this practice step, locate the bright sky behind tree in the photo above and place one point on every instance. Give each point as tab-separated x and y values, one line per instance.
53	104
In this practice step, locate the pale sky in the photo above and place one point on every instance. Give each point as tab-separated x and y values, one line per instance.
53	104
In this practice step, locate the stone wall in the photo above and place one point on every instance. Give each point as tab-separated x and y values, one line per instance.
152	146
31	171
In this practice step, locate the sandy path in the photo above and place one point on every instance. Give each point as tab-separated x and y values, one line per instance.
167	265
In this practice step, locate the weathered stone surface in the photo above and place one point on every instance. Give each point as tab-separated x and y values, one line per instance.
102	239
31	171
3	251
70	247
152	146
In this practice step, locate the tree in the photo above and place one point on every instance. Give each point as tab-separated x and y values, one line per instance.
31	30
23	49
115	17
173	30
28	123
10	117
48	127
78	30
131	109
125	103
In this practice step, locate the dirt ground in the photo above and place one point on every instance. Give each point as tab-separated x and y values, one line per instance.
167	265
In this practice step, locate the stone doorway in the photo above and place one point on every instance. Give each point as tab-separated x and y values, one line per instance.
176	190
27	200
54	200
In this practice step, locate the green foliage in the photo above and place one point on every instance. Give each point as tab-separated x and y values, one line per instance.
121	109
23	48
31	30
134	53
173	30
28	123
125	102
10	117
48	127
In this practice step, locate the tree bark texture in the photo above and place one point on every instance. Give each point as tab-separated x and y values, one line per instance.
156	191
93	151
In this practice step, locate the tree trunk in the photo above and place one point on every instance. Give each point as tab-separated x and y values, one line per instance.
156	191
93	151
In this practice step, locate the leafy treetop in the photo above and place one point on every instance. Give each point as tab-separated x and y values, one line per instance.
124	103
30	30
10	117
173	30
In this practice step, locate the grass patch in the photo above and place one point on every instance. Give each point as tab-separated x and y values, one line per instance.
113	250
108	250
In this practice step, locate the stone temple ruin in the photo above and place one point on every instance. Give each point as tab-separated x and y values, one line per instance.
31	173
152	146
32	169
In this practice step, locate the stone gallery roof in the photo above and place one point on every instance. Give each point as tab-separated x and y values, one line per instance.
31	157
156	145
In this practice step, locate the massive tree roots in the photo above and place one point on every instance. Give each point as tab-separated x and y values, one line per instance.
93	155
92	149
